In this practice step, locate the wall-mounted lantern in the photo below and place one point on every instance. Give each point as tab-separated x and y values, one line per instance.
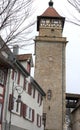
19	99
49	94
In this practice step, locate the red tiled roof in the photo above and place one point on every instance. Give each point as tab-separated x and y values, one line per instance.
24	57
50	12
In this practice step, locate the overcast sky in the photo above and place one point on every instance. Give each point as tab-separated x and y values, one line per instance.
72	32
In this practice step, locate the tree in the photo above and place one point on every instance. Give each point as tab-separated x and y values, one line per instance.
13	21
75	15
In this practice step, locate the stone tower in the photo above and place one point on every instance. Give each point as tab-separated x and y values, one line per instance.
50	66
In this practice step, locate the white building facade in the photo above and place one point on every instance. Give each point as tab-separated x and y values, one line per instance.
27	113
22	107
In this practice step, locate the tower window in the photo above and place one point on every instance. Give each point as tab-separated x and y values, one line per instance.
43	21
52	21
47	21
56	21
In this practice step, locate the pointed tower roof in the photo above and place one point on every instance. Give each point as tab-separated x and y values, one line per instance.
51	13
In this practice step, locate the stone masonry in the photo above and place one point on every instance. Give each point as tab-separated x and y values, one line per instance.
50	67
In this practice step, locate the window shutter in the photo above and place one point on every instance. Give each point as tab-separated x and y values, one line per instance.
41	100
24	110
4	78
28	67
18	80
33	92
11	102
24	84
33	115
21	111
13	74
38	98
40	121
29	88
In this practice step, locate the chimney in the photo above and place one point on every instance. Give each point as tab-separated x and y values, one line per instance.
15	49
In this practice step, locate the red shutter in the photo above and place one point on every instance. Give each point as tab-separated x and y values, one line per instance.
11	102
13	74
33	115
38	98
24	110
24	85
28	67
29	89
21	111
5	78
18	80
33	92
41	100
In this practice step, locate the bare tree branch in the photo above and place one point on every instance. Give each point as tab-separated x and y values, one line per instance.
75	17
75	4
13	20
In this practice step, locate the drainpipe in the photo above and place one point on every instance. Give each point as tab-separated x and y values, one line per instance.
4	124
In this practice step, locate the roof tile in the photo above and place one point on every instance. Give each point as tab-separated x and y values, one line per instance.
50	12
24	57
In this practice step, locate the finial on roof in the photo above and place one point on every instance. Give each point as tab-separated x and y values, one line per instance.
51	3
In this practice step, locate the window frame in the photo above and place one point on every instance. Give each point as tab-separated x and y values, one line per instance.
39	120
29	114
16	107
